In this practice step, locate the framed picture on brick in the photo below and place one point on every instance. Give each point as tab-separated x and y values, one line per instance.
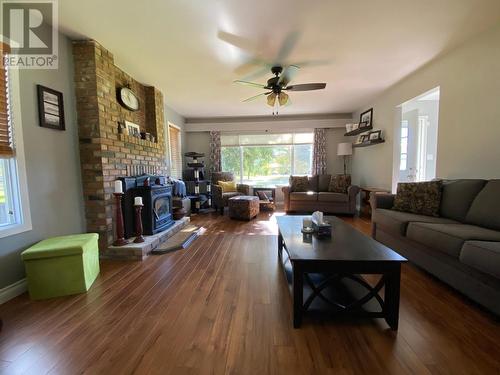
50	108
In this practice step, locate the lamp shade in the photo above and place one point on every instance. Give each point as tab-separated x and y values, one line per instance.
344	149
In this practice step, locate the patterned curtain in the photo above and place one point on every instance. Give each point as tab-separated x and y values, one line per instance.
319	152
215	159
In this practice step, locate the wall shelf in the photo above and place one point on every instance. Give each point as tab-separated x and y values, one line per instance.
369	143
358	131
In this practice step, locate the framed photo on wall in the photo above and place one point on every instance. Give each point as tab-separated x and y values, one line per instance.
50	108
133	129
366	117
375	135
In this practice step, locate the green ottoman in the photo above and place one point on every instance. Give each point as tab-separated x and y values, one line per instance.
60	266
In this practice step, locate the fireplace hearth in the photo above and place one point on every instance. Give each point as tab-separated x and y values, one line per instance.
157	199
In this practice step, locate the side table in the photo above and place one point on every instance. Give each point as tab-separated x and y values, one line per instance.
269	205
365	209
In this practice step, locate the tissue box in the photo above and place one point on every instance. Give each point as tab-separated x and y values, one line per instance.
322	230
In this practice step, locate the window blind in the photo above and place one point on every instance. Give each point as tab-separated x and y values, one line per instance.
266	139
6	145
174	136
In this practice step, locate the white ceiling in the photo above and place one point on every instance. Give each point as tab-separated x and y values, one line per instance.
371	44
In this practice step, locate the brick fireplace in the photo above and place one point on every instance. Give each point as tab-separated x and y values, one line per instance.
105	154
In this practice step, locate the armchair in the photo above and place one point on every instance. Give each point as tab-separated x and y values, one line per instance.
220	199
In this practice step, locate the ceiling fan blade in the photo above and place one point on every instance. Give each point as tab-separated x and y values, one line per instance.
308	63
258	73
255	97
283	98
306	87
287	46
246	83
271	99
237	41
249	66
288	74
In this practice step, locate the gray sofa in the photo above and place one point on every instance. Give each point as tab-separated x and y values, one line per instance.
318	198
461	246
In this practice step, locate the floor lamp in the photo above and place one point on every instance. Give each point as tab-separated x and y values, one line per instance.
345	150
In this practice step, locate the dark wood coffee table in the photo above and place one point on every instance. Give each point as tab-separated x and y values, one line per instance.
329	271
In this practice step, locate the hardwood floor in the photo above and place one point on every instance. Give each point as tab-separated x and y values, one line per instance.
222	306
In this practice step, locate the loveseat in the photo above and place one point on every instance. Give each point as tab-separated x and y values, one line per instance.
461	246
317	197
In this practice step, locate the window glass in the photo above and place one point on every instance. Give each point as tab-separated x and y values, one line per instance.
231	160
265	165
302	159
6	203
267	159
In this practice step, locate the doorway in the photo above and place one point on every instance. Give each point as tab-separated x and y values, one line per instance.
416	134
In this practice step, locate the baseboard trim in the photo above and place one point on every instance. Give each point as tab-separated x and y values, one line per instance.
13	290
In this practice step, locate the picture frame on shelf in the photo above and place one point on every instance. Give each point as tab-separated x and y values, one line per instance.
363	124
133	129
362	138
375	135
367	116
50	108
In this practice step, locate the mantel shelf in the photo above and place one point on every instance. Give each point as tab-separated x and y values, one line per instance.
358	131
369	143
138	141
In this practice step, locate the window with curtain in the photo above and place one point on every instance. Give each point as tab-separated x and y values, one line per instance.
14	215
174	137
267	159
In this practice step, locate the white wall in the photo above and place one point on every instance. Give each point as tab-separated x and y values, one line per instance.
52	166
469	114
198	142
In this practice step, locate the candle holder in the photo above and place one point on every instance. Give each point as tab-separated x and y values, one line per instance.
120	232
138	224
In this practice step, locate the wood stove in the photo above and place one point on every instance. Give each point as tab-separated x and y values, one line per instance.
157	199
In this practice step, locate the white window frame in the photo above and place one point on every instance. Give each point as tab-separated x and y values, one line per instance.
169	124
292	149
17	167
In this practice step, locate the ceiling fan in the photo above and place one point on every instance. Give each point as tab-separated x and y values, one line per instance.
277	85
260	59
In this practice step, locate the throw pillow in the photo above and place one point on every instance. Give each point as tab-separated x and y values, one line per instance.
228	186
339	183
299	183
422	198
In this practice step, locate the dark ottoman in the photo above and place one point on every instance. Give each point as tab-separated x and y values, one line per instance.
243	207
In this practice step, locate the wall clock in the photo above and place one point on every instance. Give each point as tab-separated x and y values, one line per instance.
128	99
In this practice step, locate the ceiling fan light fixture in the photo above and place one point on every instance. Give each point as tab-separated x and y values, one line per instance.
271	99
282	98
